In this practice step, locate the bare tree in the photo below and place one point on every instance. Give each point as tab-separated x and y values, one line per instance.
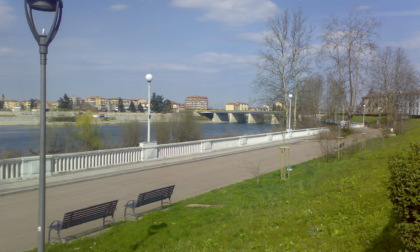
392	74
181	127
285	58
311	94
346	45
131	132
335	95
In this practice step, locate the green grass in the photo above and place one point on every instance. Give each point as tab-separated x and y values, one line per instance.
339	205
368	119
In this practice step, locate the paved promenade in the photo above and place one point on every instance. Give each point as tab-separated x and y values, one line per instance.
192	176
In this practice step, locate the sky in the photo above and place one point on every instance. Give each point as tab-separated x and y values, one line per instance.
191	47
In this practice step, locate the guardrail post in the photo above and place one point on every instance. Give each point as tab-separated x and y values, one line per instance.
243	141
206	146
148	150
49	162
30	167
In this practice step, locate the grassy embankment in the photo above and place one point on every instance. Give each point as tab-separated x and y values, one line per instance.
339	205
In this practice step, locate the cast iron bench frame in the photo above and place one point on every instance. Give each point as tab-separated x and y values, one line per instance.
149	197
84	215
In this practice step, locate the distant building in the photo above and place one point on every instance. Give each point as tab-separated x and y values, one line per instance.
96	102
238	106
27	104
52	105
197	103
76	102
256	109
137	101
406	102
11	104
175	106
267	108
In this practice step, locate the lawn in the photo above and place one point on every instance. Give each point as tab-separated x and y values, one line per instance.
340	205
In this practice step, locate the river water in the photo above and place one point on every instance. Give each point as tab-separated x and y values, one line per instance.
22	139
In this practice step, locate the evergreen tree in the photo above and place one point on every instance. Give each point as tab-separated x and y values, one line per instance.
65	102
167	106
156	103
32	103
140	108
120	105
132	108
3	99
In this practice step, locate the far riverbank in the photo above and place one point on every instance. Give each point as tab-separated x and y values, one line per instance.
32	118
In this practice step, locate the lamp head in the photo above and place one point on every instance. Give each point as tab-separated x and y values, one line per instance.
149	77
290	96
43	5
45	38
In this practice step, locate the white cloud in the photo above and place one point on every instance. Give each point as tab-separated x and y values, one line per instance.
7	16
118	7
6	51
224	59
183	68
252	36
231	12
405	13
363	7
410	43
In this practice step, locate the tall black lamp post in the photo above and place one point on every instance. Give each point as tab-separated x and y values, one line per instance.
43	39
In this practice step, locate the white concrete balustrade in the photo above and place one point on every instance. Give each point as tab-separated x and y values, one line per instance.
28	167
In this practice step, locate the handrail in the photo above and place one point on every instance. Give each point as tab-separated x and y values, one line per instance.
27	167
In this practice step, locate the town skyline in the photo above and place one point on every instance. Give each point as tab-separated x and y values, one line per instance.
190	47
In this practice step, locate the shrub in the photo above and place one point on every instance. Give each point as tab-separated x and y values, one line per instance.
404	193
61	119
131	132
88	133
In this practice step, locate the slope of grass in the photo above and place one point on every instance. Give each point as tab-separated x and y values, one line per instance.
325	206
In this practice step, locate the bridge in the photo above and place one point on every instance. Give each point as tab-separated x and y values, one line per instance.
253	117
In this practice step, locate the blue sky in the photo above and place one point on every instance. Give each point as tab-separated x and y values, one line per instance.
192	47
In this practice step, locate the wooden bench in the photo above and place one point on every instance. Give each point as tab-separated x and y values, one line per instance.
77	217
149	197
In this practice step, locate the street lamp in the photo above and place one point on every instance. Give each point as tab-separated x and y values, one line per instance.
290	111
149	79
364	106
43	41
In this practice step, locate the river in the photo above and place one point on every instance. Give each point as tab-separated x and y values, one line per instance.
22	139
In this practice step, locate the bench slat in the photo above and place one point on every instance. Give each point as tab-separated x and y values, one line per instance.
149	197
87	214
154	195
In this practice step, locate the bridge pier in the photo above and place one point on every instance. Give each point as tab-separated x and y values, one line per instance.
244	117
236	118
220	117
255	118
276	118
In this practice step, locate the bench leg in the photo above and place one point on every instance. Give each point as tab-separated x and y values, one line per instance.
56	227
104	221
125	213
163	203
58	235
